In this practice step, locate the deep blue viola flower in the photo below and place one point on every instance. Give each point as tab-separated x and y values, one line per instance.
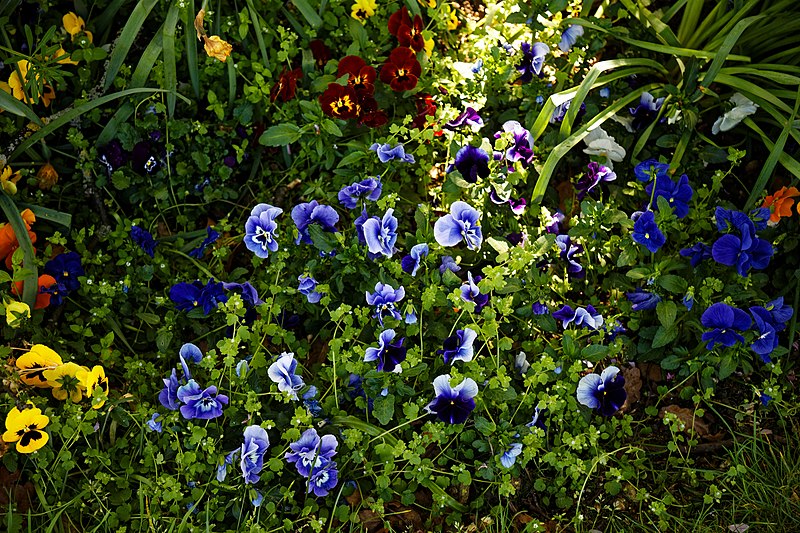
604	393
381	234
698	253
198	403
650	169
260	237
312	212
453	405
646	111
247	291
169	394
471	293
65	269
251	461
779	312
725	321
448	263
688	301
359	224
643	300
568	249
570	37
460	224
538	308
647	233
368	189
745	252
144	240
282	372
154	425
388	354
309	451
190	352
509	457
386	153
767	339
765	398
211	238
729	220
522	147
211	295
472	163
470	118
323	479
532	60
587	318
595	174
459	347
384	299
760	217
678	195
307	287
410	263
186	296
561	111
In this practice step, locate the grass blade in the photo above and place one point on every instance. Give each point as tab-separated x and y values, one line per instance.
308	13
170	70
254	18
50	215
30	288
11	104
191	49
727	45
788	162
136	19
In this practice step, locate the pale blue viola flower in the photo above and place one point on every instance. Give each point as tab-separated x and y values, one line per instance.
256	498
460	224
368	189
387	153
570	37
604	393
307	288
381	234
509	457
309	451
153	424
313	212
283	371
256	443
448	263
242	368
384	299
410	263
260	237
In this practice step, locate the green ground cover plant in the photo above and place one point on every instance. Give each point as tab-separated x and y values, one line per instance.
399	266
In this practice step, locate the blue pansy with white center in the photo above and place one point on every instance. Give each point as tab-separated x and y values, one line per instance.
643	300
144	239
323	479
604	393
509	457
453	405
532	60
650	169
153	423
309	451
410	263
388	153
388	354
470	292
203	404
678	195
647	233
282	372
381	234
725	322
460	224
587	318
384	299
307	287
459	347
368	189
259	230
256	443
570	37
469	117
313	212
471	163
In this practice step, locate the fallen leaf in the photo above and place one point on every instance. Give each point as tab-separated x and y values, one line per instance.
687	416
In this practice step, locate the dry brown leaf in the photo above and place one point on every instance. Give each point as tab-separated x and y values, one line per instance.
633	386
690	421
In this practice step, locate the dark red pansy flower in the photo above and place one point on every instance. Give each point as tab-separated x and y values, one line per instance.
320	52
411	34
369	114
339	102
401	70
426	107
399	18
362	76
286	86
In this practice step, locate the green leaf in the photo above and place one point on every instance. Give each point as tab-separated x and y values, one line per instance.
724	51
30	287
484	426
499	246
330	126
50	215
280	135
664	336
254	17
170	69
671	362
672	283
323	240
11	104
134	23
666	310
594	352
351	158
727	366
308	13
191	47
383	408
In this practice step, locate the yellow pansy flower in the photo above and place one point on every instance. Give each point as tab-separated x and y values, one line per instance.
96	384
217	48
452	21
17	82
65	60
75	25
33	364
428	46
15	311
65	383
25	428
9	179
47	176
429	3
363	9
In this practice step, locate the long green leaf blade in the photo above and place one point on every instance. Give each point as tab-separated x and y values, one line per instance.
136	19
11	104
170	69
191	49
308	13
727	45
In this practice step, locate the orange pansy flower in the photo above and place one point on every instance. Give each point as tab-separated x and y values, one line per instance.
781	203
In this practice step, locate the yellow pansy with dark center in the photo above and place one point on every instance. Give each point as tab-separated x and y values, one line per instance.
33	364
25	428
65	383
96	384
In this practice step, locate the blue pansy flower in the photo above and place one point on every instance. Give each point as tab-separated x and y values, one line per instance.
388	354
312	212
143	239
472	163
509	457
760	217
698	253
211	237
561	111
678	195
65	269
646	110
453	405
647	233
259	230
470	118
410	263
256	498
587	318
643	300
568	249
169	394
470	292
153	424
725	321
765	398
190	352
650	169
368	189
308	287
532	60
282	372
746	251
688	301
251	461
359	224
767	339
605	92
203	404
246	290
570	37
384	299
448	263
538	308
780	313
309	451
459	346
188	296
323	479
522	147
595	174
381	234
604	393
460	224
386	153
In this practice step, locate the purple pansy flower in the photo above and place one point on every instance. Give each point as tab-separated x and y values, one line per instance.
309	451
308	287
256	443
381	234
568	249
260	237
554	222
282	372
459	346
570	37
388	354
470	118
453	405
410	263
386	153
647	233
312	212
448	263
725	321
211	237
143	239
198	403
643	300
471	293
384	299
596	174
532	60
460	224
604	393
588	317
522	147
368	189
169	394
472	163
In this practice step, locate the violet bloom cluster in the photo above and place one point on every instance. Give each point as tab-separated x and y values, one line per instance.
521	148
594	176
195	295
381	234
470	292
313	212
460	224
259	230
143	239
313	458
532	60
459	347
469	117
368	189
604	393
283	372
453	405
678	195
384	299
741	247
388	354
587	318
471	163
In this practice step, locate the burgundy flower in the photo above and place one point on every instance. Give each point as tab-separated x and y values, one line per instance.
399	18
339	102
362	76
401	70
320	52
368	112
286	86
411	34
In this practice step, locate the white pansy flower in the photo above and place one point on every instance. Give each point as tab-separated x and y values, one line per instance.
743	108
600	143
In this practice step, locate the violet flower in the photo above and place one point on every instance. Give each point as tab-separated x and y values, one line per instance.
312	212
411	262
453	405
256	443
459	346
604	393
643	300
568	249
143	239
282	372
678	195
368	189
388	354
647	233
386	153
725	321
201	404
384	299
381	234
309	451
532	60
569	37
260	237
595	174
471	163
470	118
471	293
460	224
307	288
522	147
588	317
